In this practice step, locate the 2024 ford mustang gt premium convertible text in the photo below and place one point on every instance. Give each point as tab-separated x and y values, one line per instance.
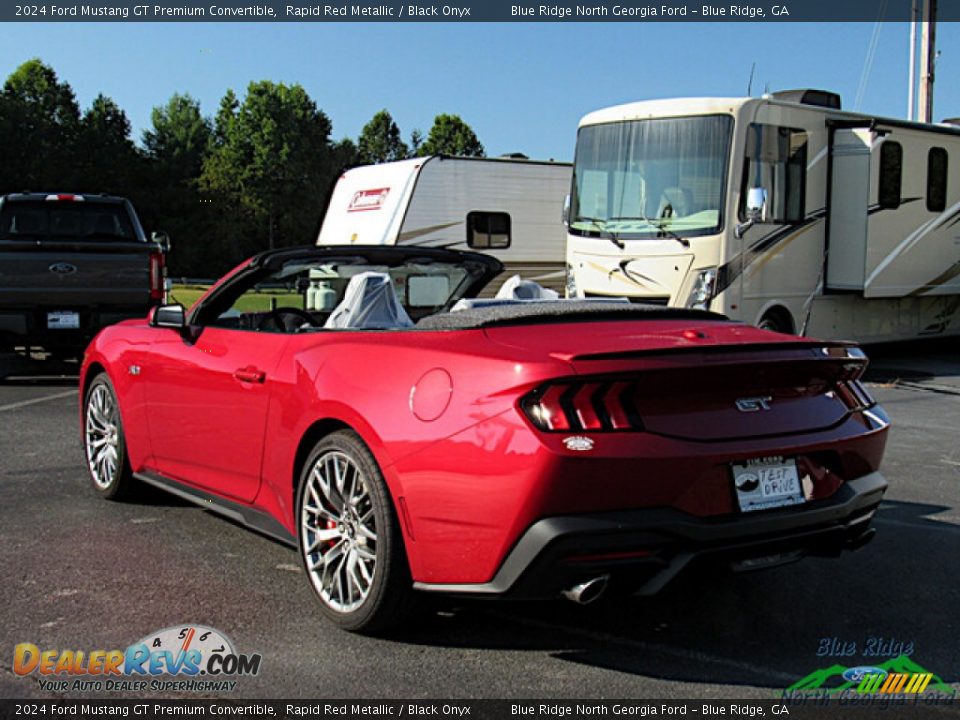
361	404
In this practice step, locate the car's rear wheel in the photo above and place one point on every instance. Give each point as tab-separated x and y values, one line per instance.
103	441
350	540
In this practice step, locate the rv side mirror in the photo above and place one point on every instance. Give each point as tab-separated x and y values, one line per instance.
756	210
565	213
162	239
169	316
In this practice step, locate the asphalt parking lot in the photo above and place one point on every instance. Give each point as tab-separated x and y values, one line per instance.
82	573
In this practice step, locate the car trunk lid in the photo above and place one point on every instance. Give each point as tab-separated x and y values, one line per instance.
706	381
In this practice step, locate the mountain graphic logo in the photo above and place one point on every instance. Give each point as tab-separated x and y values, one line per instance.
831	679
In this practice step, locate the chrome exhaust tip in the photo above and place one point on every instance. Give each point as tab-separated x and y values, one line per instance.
586	592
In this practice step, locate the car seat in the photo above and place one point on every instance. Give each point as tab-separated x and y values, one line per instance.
675	202
369	302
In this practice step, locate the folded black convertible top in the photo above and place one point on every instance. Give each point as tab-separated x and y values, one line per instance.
556	311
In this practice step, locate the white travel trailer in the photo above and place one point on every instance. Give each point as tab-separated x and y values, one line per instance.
783	211
507	207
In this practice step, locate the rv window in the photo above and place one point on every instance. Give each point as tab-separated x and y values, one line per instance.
937	180
776	162
891	171
427	290
488	230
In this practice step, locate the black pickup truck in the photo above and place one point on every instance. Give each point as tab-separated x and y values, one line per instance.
71	264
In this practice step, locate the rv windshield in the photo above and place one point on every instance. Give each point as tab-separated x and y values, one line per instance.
651	178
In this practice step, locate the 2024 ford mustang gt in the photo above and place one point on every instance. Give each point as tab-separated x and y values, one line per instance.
363	406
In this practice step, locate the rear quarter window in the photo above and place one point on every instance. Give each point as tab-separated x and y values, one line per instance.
65	221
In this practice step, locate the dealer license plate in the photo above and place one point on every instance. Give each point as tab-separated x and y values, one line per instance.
63	320
767	483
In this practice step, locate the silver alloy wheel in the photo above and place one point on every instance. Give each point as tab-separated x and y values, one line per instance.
338	532
102	436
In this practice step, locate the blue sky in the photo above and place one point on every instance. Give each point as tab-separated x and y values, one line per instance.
522	87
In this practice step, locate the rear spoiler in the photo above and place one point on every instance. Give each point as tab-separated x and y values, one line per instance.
831	350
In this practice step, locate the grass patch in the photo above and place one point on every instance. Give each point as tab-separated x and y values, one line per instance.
186	295
251	301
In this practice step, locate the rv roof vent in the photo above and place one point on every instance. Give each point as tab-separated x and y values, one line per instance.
515	156
951	121
822	98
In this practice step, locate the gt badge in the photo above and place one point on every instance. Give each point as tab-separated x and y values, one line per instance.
754	404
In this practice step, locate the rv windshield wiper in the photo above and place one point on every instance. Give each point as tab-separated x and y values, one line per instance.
599	224
660	225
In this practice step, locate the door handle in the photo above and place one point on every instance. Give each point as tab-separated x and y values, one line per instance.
249	374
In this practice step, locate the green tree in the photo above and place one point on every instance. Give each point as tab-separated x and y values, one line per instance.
450	135
226	115
272	158
176	144
178	140
345	154
380	141
39	124
416	142
107	160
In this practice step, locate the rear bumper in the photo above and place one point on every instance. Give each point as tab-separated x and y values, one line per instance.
29	326
643	550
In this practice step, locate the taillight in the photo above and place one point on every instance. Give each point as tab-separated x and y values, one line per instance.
592	406
854	395
156	277
848	386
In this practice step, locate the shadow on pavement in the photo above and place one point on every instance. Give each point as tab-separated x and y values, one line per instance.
764	629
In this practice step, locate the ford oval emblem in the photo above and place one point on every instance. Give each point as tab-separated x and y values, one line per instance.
578	443
856	674
62	268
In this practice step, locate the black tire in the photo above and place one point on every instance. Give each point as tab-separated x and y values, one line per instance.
8	361
104	445
359	589
773	322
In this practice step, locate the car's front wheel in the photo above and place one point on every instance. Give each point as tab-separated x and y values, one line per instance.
350	540
103	441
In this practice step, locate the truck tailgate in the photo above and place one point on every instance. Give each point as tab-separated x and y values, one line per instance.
62	274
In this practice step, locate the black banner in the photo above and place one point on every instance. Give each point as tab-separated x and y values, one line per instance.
295	11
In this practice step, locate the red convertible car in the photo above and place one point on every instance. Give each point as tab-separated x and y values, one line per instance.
362	405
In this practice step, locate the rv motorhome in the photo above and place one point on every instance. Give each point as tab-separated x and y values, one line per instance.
507	207
782	210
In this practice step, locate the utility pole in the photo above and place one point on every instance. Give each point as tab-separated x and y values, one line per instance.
928	57
911	88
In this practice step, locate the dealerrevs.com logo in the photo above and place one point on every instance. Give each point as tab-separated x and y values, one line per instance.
180	658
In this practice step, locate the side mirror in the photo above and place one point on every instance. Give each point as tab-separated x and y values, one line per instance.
565	213
162	239
756	210
168	316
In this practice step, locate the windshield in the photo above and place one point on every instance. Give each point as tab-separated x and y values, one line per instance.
651	178
319	290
